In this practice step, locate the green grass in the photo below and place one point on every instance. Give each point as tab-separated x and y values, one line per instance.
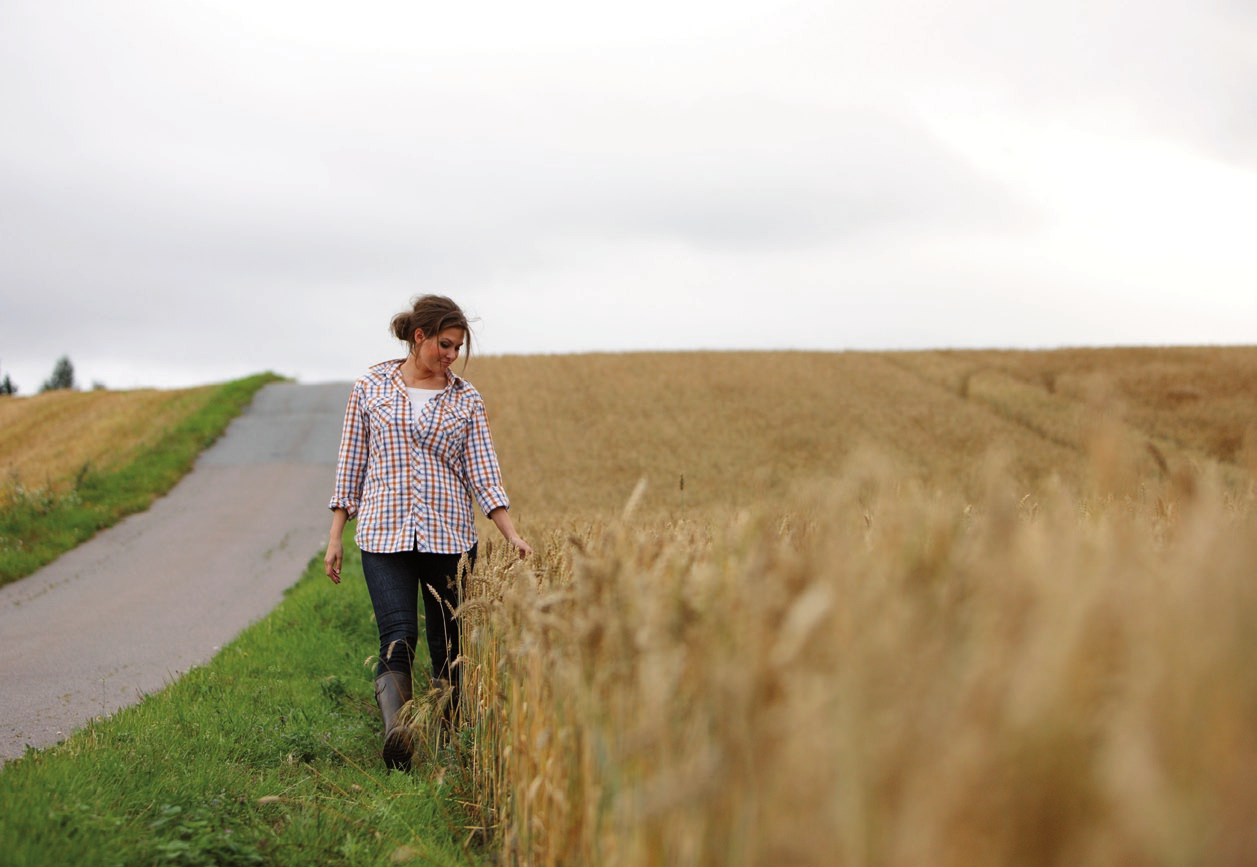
267	755
37	526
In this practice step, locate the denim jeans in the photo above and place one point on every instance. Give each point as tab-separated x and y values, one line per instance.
396	582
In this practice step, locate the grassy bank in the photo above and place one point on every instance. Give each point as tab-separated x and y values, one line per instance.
42	518
268	755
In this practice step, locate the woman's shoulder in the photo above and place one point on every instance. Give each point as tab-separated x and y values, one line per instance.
379	374
463	389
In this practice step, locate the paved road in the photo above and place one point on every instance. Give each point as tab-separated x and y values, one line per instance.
125	613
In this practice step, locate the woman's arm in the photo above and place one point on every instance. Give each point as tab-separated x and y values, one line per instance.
335	555
502	520
352	456
351	467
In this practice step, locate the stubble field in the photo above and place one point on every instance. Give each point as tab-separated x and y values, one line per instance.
51	439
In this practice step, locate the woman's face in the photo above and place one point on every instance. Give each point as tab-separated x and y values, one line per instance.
436	354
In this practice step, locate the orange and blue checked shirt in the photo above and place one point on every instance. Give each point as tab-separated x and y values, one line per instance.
409	479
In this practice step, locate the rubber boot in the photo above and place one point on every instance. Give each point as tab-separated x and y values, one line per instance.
392	691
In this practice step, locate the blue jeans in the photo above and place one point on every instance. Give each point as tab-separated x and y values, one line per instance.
396	582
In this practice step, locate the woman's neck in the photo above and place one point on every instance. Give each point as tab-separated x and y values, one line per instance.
416	377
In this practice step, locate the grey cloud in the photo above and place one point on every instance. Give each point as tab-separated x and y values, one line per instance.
869	175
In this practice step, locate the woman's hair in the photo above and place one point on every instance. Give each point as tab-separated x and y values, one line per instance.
430	314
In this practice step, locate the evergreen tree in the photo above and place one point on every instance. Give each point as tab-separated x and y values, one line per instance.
62	375
7	386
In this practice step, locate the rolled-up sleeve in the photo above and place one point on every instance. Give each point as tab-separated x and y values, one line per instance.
351	459
484	476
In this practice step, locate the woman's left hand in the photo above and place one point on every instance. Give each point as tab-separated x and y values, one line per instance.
502	519
520	545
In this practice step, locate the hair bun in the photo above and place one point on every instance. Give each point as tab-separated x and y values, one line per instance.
430	314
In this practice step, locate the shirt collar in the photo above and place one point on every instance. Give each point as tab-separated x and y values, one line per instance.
393	370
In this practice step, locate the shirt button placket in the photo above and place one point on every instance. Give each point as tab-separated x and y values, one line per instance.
418	512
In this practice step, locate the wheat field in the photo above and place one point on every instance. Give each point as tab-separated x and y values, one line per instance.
936	608
576	433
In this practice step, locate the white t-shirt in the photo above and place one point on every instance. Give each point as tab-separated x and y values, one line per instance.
420	396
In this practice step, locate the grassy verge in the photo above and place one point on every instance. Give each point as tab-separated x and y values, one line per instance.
268	755
38	525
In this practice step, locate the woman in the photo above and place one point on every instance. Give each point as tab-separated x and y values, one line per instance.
415	452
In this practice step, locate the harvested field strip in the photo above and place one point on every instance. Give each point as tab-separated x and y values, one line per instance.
49	438
138	462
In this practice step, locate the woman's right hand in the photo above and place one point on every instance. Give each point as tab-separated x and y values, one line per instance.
333	558
335	548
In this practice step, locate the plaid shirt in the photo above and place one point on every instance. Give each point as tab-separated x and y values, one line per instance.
409	480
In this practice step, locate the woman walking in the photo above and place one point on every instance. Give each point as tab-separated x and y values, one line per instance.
416	456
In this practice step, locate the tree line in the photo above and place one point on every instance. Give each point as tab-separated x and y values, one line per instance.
62	378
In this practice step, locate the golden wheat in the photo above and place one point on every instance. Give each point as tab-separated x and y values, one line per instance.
576	433
1018	631
891	677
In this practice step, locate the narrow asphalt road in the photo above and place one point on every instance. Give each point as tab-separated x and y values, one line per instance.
127	612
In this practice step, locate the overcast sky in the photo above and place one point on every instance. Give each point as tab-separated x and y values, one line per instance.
194	190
